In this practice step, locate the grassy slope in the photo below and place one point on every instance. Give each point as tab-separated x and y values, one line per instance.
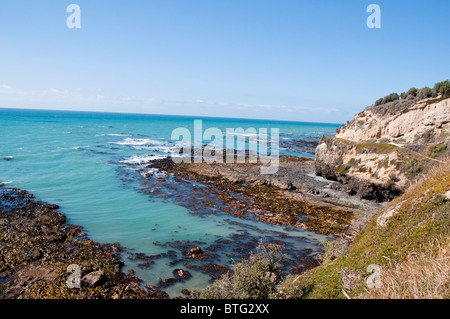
422	218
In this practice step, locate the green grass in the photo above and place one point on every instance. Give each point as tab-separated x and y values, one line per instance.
421	219
437	150
379	148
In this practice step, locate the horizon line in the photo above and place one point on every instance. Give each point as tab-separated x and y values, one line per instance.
173	115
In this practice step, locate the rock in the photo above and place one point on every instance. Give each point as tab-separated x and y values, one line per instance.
447	195
186	292
196	252
93	279
181	274
167	282
384	149
383	219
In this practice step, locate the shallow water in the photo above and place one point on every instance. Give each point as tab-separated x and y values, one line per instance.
81	161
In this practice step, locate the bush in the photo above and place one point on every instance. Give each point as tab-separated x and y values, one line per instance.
443	88
413	169
426	92
438	149
412	92
335	249
379	101
391	98
254	278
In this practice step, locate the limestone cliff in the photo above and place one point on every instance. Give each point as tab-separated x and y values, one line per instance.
383	149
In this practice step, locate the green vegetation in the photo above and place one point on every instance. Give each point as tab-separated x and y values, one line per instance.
255	278
437	150
440	88
389	98
411	247
343	169
443	88
378	148
413	168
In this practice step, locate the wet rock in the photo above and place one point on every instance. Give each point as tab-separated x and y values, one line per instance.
93	279
181	274
196	252
186	292
167	282
37	246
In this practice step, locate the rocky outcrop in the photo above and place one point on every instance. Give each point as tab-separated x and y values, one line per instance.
383	149
423	123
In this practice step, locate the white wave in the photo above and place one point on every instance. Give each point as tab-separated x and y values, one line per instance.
113	134
139	160
153	171
8	158
5	183
138	142
160	149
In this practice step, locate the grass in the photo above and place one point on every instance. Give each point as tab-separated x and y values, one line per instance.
421	218
437	150
411	249
379	148
425	275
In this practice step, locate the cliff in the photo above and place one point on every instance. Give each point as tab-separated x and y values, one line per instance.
385	148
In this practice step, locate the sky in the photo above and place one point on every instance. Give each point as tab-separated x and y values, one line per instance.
313	61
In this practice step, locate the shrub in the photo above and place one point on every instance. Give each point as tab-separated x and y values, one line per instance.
251	279
443	87
424	93
413	168
391	98
379	101
438	149
335	249
412	92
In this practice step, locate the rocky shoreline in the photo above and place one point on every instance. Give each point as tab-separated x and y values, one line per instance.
294	196
37	247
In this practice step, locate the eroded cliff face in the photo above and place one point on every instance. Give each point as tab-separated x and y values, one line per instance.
385	148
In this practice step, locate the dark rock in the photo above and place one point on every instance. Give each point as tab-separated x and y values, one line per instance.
181	274
196	252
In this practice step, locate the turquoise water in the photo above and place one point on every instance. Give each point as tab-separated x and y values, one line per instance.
78	161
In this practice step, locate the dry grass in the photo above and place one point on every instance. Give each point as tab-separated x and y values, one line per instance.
424	276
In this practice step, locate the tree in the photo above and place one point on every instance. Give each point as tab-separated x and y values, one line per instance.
391	98
412	91
424	93
443	88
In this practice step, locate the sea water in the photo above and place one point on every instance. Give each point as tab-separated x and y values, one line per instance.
76	160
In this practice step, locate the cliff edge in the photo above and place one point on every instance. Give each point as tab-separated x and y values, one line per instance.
385	148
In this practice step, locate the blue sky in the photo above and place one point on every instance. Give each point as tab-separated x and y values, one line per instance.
285	59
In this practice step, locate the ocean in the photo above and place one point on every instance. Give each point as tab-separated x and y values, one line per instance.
91	164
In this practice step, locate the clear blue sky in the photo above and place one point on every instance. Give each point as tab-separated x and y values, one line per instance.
278	59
